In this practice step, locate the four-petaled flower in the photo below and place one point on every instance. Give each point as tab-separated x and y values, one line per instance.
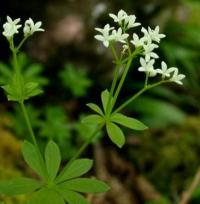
119	36
147	67
148	50
105	37
165	71
30	27
130	21
11	27
177	77
153	34
137	41
122	15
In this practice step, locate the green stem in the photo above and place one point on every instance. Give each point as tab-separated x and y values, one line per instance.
28	123
131	99
21	43
81	150
85	144
114	82
121	82
146	80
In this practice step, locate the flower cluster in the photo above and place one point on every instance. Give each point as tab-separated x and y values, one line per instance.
11	27
148	42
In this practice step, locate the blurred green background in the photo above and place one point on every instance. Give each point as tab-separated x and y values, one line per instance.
73	68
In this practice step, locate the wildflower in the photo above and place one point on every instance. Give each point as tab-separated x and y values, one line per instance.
148	50
119	36
130	21
11	27
105	37
153	34
119	17
137	41
147	67
177	77
30	27
164	71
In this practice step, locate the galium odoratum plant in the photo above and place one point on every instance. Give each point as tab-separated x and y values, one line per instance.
132	46
53	186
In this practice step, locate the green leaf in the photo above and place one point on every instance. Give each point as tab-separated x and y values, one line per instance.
18	90
31	89
95	108
19	186
131	123
115	134
46	196
34	159
104	98
15	88
93	119
85	185
76	169
72	197
52	159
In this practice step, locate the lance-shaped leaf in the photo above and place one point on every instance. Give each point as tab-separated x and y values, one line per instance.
34	159
19	186
93	119
76	169
46	196
52	159
85	185
115	133
72	197
31	89
95	108
104	98
131	123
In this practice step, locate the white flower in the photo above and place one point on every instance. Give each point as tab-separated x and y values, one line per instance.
177	77
137	41
119	36
130	21
148	50
119	17
30	27
11	27
154	35
164	71
147	67
105	37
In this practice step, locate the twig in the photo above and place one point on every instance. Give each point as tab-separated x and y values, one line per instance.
186	196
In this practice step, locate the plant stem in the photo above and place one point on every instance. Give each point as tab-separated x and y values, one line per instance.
21	43
80	151
114	82
85	144
121	82
28	123
131	99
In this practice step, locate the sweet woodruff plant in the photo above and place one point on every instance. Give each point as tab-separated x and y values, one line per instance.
56	185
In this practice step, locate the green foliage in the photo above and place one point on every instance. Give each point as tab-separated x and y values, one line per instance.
76	80
128	122
115	133
31	71
76	169
33	158
109	119
19	186
51	189
19	90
